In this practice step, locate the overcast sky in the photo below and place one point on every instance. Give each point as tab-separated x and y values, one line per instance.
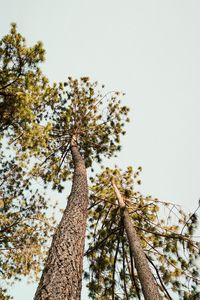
148	49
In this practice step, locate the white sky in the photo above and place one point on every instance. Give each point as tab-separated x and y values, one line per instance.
148	49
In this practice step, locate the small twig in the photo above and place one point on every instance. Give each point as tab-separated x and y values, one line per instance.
190	218
159	277
89	251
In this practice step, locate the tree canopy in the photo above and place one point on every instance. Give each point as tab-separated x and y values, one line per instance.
168	241
24	226
84	126
85	112
24	95
45	132
24	90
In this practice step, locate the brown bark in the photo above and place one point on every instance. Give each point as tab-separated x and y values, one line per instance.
149	287
62	275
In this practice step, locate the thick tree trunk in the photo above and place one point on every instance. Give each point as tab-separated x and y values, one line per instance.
62	275
148	283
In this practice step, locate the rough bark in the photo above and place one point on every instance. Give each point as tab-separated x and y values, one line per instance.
148	283
62	275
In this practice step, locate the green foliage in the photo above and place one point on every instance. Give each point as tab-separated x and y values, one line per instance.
90	117
3	294
24	226
25	95
167	241
24	90
38	123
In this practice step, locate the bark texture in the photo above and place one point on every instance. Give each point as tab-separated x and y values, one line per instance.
62	275
148	283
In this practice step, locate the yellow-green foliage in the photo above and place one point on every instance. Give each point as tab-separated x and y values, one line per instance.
167	241
24	226
85	112
24	91
25	95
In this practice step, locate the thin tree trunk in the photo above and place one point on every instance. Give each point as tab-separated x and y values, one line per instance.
148	283
62	275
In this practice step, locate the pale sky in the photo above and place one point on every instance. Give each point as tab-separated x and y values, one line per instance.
148	49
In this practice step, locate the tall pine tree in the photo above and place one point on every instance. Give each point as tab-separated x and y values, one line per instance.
25	95
85	125
116	229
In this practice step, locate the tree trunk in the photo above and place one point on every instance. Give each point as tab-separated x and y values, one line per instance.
62	275
148	283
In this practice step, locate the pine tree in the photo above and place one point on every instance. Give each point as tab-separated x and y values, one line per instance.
24	226
85	125
24	91
25	95
167	242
